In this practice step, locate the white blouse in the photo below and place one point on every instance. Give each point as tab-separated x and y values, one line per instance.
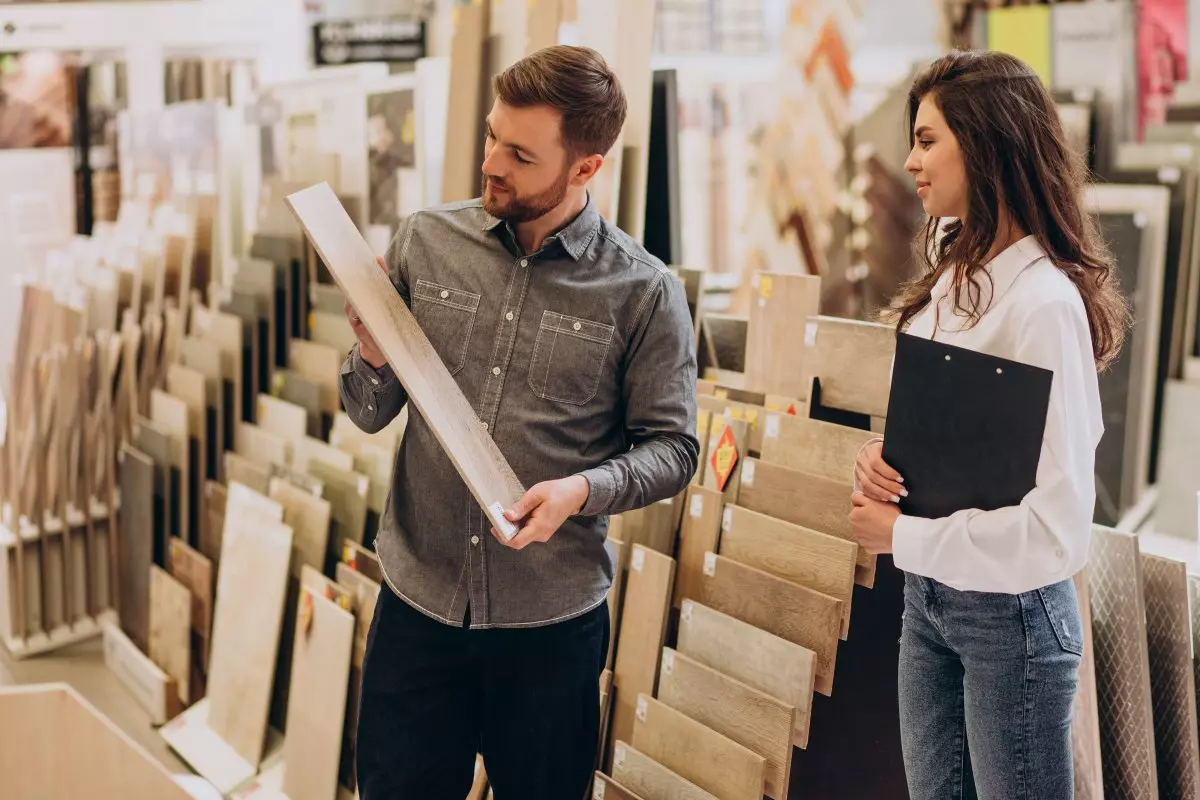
1035	315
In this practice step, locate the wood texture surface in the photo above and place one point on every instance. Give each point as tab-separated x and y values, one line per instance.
324	638
308	517
1085	725
319	363
800	615
365	594
642	630
740	431
616	595
252	474
255	553
171	414
778	308
212	530
853	360
281	417
135	547
429	384
697	753
606	788
648	778
347	496
468	98
800	555
190	386
699	533
306	449
193	570
800	498
809	445
748	654
262	446
171	630
751	718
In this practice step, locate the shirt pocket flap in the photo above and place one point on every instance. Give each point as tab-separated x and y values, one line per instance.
445	295
575	326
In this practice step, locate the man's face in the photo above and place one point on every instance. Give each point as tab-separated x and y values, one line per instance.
526	171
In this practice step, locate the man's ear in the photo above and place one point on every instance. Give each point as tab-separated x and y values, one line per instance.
586	169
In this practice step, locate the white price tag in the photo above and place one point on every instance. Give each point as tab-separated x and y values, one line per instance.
639	559
772	431
810	333
507	529
748	468
668	662
727	519
642	708
1139	219
619	755
710	564
685	610
1169	175
598	790
697	506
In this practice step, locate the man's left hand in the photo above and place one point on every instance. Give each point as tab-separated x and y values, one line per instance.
871	523
544	509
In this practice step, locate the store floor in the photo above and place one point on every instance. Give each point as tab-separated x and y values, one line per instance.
82	667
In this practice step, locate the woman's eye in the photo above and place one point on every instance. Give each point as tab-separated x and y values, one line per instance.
925	143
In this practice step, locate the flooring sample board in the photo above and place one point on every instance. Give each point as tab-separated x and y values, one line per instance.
778	307
752	656
469	97
801	616
1085	726
308	518
281	417
320	364
360	559
54	744
647	778
1122	667
1172	677
641	634
170	629
699	533
213	528
544	19
135	552
347	496
333	330
262	446
364	593
193	570
190	386
429	384
801	555
1179	463
617	593
809	500
171	414
255	554
853	360
697	753
306	449
305	393
198	355
252	474
808	445
317	698
751	718
728	445
606	788
149	685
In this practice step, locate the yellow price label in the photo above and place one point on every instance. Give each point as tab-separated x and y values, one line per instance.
766	287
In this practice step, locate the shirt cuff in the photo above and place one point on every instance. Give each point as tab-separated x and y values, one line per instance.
906	544
601	489
375	378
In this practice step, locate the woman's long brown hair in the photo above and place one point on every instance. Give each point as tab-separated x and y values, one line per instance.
1015	153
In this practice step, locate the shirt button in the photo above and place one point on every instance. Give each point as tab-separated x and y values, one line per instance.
495	370
577	326
1059	553
370	408
375	381
445	294
474	540
524	262
509	316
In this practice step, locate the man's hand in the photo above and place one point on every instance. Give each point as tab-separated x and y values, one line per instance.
366	343
877	480
871	523
543	510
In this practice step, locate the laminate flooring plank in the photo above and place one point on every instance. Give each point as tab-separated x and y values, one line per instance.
171	414
468	100
812	446
753	656
795	613
751	718
1172	678
309	519
727	447
135	546
347	496
814	502
697	753
320	364
262	446
193	570
650	779
255	475
364	596
699	533
171	630
778	308
606	788
853	360
795	553
360	559
306	449
213	529
305	393
281	417
1085	726
430	386
642	630
189	386
255	555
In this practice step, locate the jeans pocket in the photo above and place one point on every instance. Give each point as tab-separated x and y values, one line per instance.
568	358
1062	612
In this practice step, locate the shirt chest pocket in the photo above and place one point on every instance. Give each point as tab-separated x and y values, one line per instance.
568	358
447	317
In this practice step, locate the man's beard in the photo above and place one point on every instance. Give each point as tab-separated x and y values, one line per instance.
511	207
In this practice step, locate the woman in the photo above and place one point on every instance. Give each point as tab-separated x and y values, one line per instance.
992	634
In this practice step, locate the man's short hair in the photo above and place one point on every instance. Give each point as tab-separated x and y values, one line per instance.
578	83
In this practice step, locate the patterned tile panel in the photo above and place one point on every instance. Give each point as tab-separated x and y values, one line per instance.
1085	728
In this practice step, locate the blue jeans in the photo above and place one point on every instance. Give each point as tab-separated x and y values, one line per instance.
999	671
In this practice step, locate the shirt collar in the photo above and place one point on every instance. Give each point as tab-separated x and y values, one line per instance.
574	237
1002	270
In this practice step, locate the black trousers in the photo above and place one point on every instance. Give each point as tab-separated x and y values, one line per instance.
434	695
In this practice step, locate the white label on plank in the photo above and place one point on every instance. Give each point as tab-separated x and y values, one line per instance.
727	519
1139	219
1169	175
697	506
506	528
668	662
598	790
619	756
710	564
748	468
639	559
772	431
685	610
810	333
642	708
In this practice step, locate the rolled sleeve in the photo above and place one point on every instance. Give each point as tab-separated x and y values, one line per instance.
601	491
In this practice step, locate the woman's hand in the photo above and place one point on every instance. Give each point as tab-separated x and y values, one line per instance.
876	479
871	523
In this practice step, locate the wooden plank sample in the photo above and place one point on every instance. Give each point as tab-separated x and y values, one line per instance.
616	594
213	529
205	359
800	615
795	553
720	455
853	360
333	330
255	553
252	474
643	628
646	777
429	384
1123	667
464	139
262	446
699	533
308	518
147	683
606	788
365	594
171	414
306	449
1172	678
347	496
281	417
324	638
542	24
1085	726
1176	513
809	500
751	718
320	364
360	559
778	308
194	571
809	445
305	393
135	546
753	656
699	754
189	386
171	629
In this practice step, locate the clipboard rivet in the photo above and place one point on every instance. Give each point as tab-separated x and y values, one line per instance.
947	358
999	371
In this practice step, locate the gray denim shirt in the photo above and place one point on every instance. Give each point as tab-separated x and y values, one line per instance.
578	358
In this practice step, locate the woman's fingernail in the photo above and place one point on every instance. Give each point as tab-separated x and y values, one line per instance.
895	499
904	492
899	480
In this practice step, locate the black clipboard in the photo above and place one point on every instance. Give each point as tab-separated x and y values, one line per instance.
964	429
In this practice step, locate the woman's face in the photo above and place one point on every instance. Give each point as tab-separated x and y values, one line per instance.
937	164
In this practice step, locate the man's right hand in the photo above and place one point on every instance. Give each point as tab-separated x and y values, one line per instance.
367	348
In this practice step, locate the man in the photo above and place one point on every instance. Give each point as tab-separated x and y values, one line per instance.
574	346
